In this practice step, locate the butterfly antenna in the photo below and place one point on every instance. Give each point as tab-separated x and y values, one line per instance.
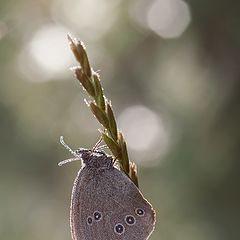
68	161
102	147
68	148
97	144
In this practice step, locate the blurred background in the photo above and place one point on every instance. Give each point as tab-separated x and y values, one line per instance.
171	69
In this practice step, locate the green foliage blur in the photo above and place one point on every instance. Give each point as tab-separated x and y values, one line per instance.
190	82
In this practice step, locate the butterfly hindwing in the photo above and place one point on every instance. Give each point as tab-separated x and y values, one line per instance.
117	208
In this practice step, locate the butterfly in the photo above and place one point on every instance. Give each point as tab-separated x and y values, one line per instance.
105	203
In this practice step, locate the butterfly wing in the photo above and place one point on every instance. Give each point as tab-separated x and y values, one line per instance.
80	197
117	208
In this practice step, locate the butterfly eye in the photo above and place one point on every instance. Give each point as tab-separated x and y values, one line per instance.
97	216
140	212
89	220
119	229
130	220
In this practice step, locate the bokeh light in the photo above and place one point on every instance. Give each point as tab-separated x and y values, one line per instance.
48	52
168	18
145	133
92	18
48	48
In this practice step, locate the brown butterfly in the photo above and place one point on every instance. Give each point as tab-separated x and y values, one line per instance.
105	203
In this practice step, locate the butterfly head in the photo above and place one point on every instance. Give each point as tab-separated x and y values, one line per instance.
94	157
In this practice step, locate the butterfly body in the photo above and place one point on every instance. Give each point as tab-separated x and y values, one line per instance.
105	203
